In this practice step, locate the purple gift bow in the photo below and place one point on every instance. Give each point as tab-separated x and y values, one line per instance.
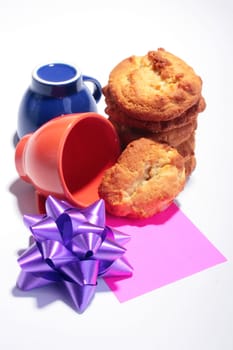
72	246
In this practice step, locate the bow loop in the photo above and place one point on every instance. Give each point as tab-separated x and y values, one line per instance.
86	245
56	254
45	229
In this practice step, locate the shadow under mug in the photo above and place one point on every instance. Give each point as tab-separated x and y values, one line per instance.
67	157
56	89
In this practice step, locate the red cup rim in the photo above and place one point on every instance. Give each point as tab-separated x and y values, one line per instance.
83	189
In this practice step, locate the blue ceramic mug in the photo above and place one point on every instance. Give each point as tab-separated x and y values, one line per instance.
56	89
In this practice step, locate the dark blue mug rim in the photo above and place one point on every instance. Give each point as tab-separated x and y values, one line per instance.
43	81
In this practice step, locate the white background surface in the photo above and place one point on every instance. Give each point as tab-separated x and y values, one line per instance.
194	313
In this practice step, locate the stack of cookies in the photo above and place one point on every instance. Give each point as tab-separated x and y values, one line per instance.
156	96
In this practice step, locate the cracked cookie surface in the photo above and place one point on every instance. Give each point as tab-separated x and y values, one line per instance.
155	87
145	180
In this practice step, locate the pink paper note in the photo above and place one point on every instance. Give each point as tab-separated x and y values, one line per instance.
162	250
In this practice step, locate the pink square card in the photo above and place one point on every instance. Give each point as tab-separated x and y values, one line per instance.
162	250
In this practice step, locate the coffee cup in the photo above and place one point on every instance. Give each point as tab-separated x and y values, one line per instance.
56	89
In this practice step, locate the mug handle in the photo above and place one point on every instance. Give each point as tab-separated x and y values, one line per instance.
97	93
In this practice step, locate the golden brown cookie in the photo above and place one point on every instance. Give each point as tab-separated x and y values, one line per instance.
144	181
155	87
172	137
113	111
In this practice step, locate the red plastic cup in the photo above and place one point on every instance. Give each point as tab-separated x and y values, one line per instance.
67	156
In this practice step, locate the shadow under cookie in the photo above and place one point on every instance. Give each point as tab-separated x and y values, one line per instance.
173	137
116	114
